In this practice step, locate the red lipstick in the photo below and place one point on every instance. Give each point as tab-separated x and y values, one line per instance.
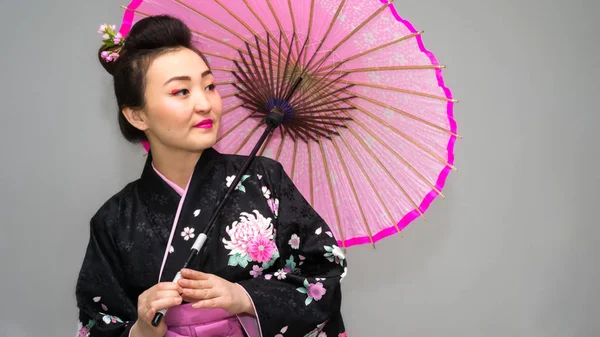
205	124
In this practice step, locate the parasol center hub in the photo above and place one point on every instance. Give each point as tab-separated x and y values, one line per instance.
282	108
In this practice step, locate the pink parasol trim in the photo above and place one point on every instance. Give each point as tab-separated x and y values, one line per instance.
408	218
128	17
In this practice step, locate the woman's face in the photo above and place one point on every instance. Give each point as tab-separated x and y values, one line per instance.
183	108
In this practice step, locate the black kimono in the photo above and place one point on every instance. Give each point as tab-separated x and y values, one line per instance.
268	239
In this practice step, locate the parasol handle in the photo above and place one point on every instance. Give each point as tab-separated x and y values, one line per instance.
273	120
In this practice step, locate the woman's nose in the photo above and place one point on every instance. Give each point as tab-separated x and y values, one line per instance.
202	104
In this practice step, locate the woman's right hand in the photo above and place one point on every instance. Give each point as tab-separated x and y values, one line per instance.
163	295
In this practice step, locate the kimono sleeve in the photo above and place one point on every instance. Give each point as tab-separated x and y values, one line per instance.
105	310
300	295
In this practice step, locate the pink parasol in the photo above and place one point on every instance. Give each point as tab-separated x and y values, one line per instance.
368	132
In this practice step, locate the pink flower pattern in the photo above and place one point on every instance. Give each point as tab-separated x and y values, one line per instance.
249	227
316	291
83	332
261	249
274	206
294	241
256	271
251	239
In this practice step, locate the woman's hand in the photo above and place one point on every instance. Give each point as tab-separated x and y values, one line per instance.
161	296
210	291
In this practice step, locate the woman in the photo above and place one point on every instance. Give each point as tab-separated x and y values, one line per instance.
268	267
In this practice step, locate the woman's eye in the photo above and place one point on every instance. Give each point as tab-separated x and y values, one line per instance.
211	87
180	92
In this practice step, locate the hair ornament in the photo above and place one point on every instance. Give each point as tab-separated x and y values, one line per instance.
113	42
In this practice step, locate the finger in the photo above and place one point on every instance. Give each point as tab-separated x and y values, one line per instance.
194	274
188	299
168	286
165	303
195	284
167	293
209	304
149	316
201	294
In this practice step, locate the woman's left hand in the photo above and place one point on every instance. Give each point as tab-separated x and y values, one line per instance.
210	291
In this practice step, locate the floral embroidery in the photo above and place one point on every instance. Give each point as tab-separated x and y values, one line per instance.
268	276
108	319
251	239
196	213
84	331
282	331
266	192
316	332
239	186
256	271
302	258
280	274
290	265
329	233
344	274
334	254
261	249
171	249
319	231
274	206
294	241
97	299
188	233
314	291
259	176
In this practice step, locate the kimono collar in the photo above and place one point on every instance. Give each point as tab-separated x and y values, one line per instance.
153	180
174	186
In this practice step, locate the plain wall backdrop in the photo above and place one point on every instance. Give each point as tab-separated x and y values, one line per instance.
511	251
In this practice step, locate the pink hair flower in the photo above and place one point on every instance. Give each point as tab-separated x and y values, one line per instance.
117	39
113	42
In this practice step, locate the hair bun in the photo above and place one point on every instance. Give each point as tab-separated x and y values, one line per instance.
158	32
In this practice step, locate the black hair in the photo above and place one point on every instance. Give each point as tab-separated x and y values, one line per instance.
148	38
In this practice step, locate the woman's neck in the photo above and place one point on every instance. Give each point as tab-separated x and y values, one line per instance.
177	166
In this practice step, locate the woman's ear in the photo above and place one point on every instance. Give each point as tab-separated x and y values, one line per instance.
135	117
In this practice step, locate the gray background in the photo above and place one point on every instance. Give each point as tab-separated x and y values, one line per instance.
511	251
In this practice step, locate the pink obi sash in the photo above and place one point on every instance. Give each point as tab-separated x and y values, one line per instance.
184	321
